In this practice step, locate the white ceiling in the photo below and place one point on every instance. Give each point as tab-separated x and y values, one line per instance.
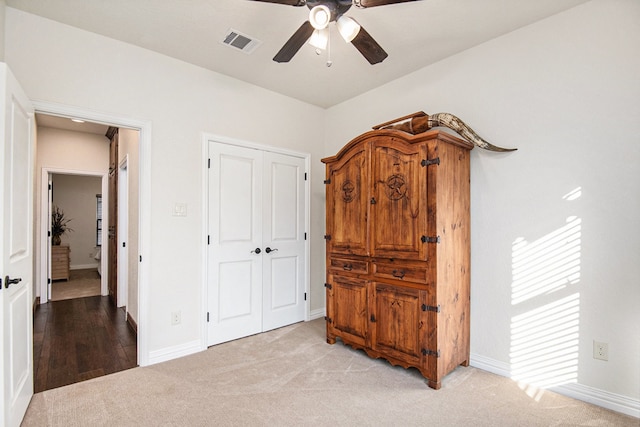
414	34
66	123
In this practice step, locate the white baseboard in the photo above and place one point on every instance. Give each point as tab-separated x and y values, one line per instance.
602	398
82	266
317	314
170	353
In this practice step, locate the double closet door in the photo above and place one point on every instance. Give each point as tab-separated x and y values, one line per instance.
256	252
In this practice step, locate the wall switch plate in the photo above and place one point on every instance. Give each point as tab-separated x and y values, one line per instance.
600	350
180	209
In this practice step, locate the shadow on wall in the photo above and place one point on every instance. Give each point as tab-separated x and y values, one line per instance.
545	330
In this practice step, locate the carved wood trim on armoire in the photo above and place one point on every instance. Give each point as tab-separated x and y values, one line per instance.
398	251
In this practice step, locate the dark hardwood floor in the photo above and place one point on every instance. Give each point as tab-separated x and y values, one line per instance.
78	339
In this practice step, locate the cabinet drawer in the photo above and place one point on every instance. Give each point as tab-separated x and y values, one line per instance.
349	265
404	271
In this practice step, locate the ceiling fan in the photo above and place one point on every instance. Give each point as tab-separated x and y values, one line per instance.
323	12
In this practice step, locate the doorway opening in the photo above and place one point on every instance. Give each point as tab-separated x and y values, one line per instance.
75	159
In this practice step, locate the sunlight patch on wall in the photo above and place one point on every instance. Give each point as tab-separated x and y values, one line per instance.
547	264
545	331
544	345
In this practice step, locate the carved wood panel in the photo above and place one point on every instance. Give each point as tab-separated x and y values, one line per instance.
347	207
398	211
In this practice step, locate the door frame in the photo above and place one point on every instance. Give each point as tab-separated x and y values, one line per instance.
206	138
144	200
42	273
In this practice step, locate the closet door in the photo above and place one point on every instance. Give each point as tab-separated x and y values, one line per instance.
256	257
283	232
235	250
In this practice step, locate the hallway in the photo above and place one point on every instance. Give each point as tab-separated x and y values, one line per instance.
78	339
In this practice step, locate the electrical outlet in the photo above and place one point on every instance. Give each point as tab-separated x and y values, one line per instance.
600	350
175	317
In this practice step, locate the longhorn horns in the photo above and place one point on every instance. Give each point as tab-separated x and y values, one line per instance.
422	122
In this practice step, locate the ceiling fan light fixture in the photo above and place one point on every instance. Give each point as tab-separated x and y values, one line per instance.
320	38
348	28
319	17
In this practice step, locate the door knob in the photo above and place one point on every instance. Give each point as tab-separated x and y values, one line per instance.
8	282
269	250
256	250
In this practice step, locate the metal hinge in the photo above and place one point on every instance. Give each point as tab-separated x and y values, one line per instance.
328	286
426	162
373	318
327	181
305	176
305	296
430	353
327	237
305	236
328	319
208	239
435	309
209	163
207	316
425	239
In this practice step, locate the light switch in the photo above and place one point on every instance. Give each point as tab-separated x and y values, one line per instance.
180	209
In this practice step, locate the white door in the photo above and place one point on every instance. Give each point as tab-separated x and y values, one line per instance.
45	298
283	231
16	251
256	257
235	255
123	233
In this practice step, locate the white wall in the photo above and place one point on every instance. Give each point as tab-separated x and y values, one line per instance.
76	196
566	92
61	64
3	6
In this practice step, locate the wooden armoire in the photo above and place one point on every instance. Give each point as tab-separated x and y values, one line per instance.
397	247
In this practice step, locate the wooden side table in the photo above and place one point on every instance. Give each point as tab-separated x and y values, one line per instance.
60	262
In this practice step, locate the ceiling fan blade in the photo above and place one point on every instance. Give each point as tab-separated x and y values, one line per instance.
293	45
287	2
368	47
374	3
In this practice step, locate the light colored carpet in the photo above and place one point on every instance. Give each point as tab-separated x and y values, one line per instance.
292	377
82	283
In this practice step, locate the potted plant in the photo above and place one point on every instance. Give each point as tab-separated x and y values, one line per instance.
59	225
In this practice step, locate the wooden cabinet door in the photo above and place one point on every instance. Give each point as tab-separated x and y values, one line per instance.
399	326
112	235
347	308
347	204
398	208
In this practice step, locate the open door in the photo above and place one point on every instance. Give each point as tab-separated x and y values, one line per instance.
45	298
16	251
112	235
123	235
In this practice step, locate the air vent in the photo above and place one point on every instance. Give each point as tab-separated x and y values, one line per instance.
239	41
